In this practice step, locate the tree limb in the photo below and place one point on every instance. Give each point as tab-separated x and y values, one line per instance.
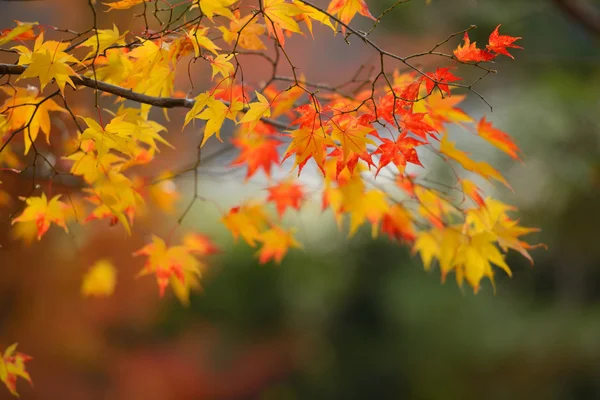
580	11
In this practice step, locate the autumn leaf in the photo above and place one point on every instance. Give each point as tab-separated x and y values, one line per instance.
48	61
280	15
210	8
397	224
257	110
169	263
470	53
245	31
497	138
351	135
123	4
247	221
307	144
440	78
275	244
255	153
310	14
44	213
23	31
12	366
286	195
100	280
498	43
345	10
103	39
479	167
25	108
198	38
399	153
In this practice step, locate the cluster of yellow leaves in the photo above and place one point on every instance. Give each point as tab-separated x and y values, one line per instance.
251	222
12	366
470	249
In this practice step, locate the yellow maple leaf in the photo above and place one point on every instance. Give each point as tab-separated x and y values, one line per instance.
199	39
244	31
47	61
280	15
258	109
103	39
12	366
44	213
20	110
212	7
481	168
122	4
100	280
246	221
275	244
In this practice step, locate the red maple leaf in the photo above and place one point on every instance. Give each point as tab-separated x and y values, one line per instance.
440	78
498	43
399	152
469	52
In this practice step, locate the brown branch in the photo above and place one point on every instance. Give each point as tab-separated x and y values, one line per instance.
129	94
582	12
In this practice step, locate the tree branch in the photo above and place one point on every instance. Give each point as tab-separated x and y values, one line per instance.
586	15
129	94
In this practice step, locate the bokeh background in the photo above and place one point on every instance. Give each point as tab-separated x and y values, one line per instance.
346	319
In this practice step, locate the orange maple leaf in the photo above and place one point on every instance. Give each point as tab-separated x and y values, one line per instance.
256	152
469	52
275	244
286	194
496	137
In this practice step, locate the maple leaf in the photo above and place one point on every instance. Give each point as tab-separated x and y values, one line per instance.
100	280
256	153
350	163
310	13
440	78
245	31
103	39
12	366
199	244
210	8
414	123
280	15
169	264
259	109
246	221
44	213
345	10
397	224
275	244
492	217
470	53
48	61
371	205
497	138
307	144
351	135
26	108
399	153
498	43
472	191
286	194
441	110
123	4
481	168
23	31
221	65
198	38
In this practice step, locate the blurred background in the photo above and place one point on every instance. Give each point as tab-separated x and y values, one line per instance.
347	319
